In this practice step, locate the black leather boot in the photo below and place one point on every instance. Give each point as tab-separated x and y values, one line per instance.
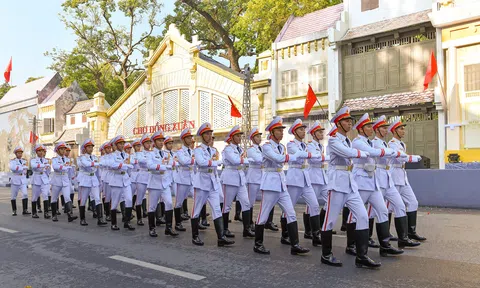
62	200
25	207
350	249
203	215
322	217
34	210
45	207
392	238
134	200
362	259
384	238
296	249
238	210
158	216
315	224
251	219
327	255
162	211
284	239
82	216
258	247
113	215
403	240
14	207
151	224
100	221
89	205
39	206
308	228
128	216
138	210
54	212
68	208
72	195
226	232
219	228
371	242
195	239
178	220
94	205
345	213
246	224
270	225
122	209
412	227
185	209
168	226
144	208
58	208
49	203
108	214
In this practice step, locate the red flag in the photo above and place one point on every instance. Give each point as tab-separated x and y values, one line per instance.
33	137
431	71
309	101
7	71
234	111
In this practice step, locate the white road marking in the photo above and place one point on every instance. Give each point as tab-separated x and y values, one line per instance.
158	268
8	230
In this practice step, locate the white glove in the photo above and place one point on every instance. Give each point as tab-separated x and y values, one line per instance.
417	157
168	166
327	158
364	154
316	155
292	157
301	154
217	163
245	161
389	152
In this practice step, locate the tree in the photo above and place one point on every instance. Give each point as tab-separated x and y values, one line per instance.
103	42
31	79
4	88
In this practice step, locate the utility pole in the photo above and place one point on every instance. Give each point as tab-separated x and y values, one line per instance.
246	108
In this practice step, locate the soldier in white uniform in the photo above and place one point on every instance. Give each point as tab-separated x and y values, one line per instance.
343	190
298	181
390	193
88	182
120	183
137	196
170	175
255	170
274	188
61	182
318	176
40	180
400	179
184	177
159	184
368	187
143	175
206	187
234	181
18	180
72	174
106	173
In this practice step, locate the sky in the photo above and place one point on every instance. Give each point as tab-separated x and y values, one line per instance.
32	27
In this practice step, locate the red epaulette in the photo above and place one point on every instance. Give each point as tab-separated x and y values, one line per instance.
291	141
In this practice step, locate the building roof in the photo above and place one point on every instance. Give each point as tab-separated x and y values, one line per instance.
388	25
317	21
81	106
390	100
69	135
57	93
25	91
219	65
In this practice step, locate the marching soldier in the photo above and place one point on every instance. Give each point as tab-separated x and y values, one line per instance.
206	187
298	182
72	174
184	177
18	180
343	190
138	195
40	180
120	183
385	181
159	184
61	182
274	189
88	182
234	182
400	178
255	169
368	187
106	174
131	160
170	173
143	175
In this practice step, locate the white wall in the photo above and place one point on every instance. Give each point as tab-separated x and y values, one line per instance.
78	121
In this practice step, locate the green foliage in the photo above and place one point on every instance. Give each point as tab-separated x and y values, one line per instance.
30	79
4	88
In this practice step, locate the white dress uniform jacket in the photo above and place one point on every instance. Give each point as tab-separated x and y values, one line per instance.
170	173
19	168
157	166
185	160
134	171
119	176
88	166
399	174
275	157
205	178
233	173
317	166
297	174
61	177
39	168
364	168
255	164
143	175
383	172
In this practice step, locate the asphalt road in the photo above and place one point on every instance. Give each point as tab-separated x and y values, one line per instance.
41	253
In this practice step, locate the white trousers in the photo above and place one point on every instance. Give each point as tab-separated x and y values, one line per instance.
155	195
308	195
269	199
93	192
16	188
116	196
182	192
200	197
65	190
253	190
107	191
408	197
394	202
141	191
321	191
230	192
335	203
376	202
38	190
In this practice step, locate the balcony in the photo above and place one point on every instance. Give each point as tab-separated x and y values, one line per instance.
453	12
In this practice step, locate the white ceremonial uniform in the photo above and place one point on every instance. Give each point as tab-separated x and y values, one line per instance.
120	181
88	183
219	182
159	182
385	181
342	187
205	182
184	177
143	176
233	178
18	178
399	174
40	180
273	186
107	174
72	174
134	173
298	177
316	171
170	174
254	172
61	179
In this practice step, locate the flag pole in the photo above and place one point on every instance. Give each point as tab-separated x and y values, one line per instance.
321	107
443	92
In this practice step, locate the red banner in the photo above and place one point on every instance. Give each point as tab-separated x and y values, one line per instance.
169	127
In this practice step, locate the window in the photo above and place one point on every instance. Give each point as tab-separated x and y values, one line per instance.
369	5
472	77
170	112
72	119
84	117
289	83
204	107
318	77
48	125
221	112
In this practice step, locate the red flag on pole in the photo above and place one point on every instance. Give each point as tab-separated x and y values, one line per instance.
33	137
431	71
234	111
309	101
7	71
